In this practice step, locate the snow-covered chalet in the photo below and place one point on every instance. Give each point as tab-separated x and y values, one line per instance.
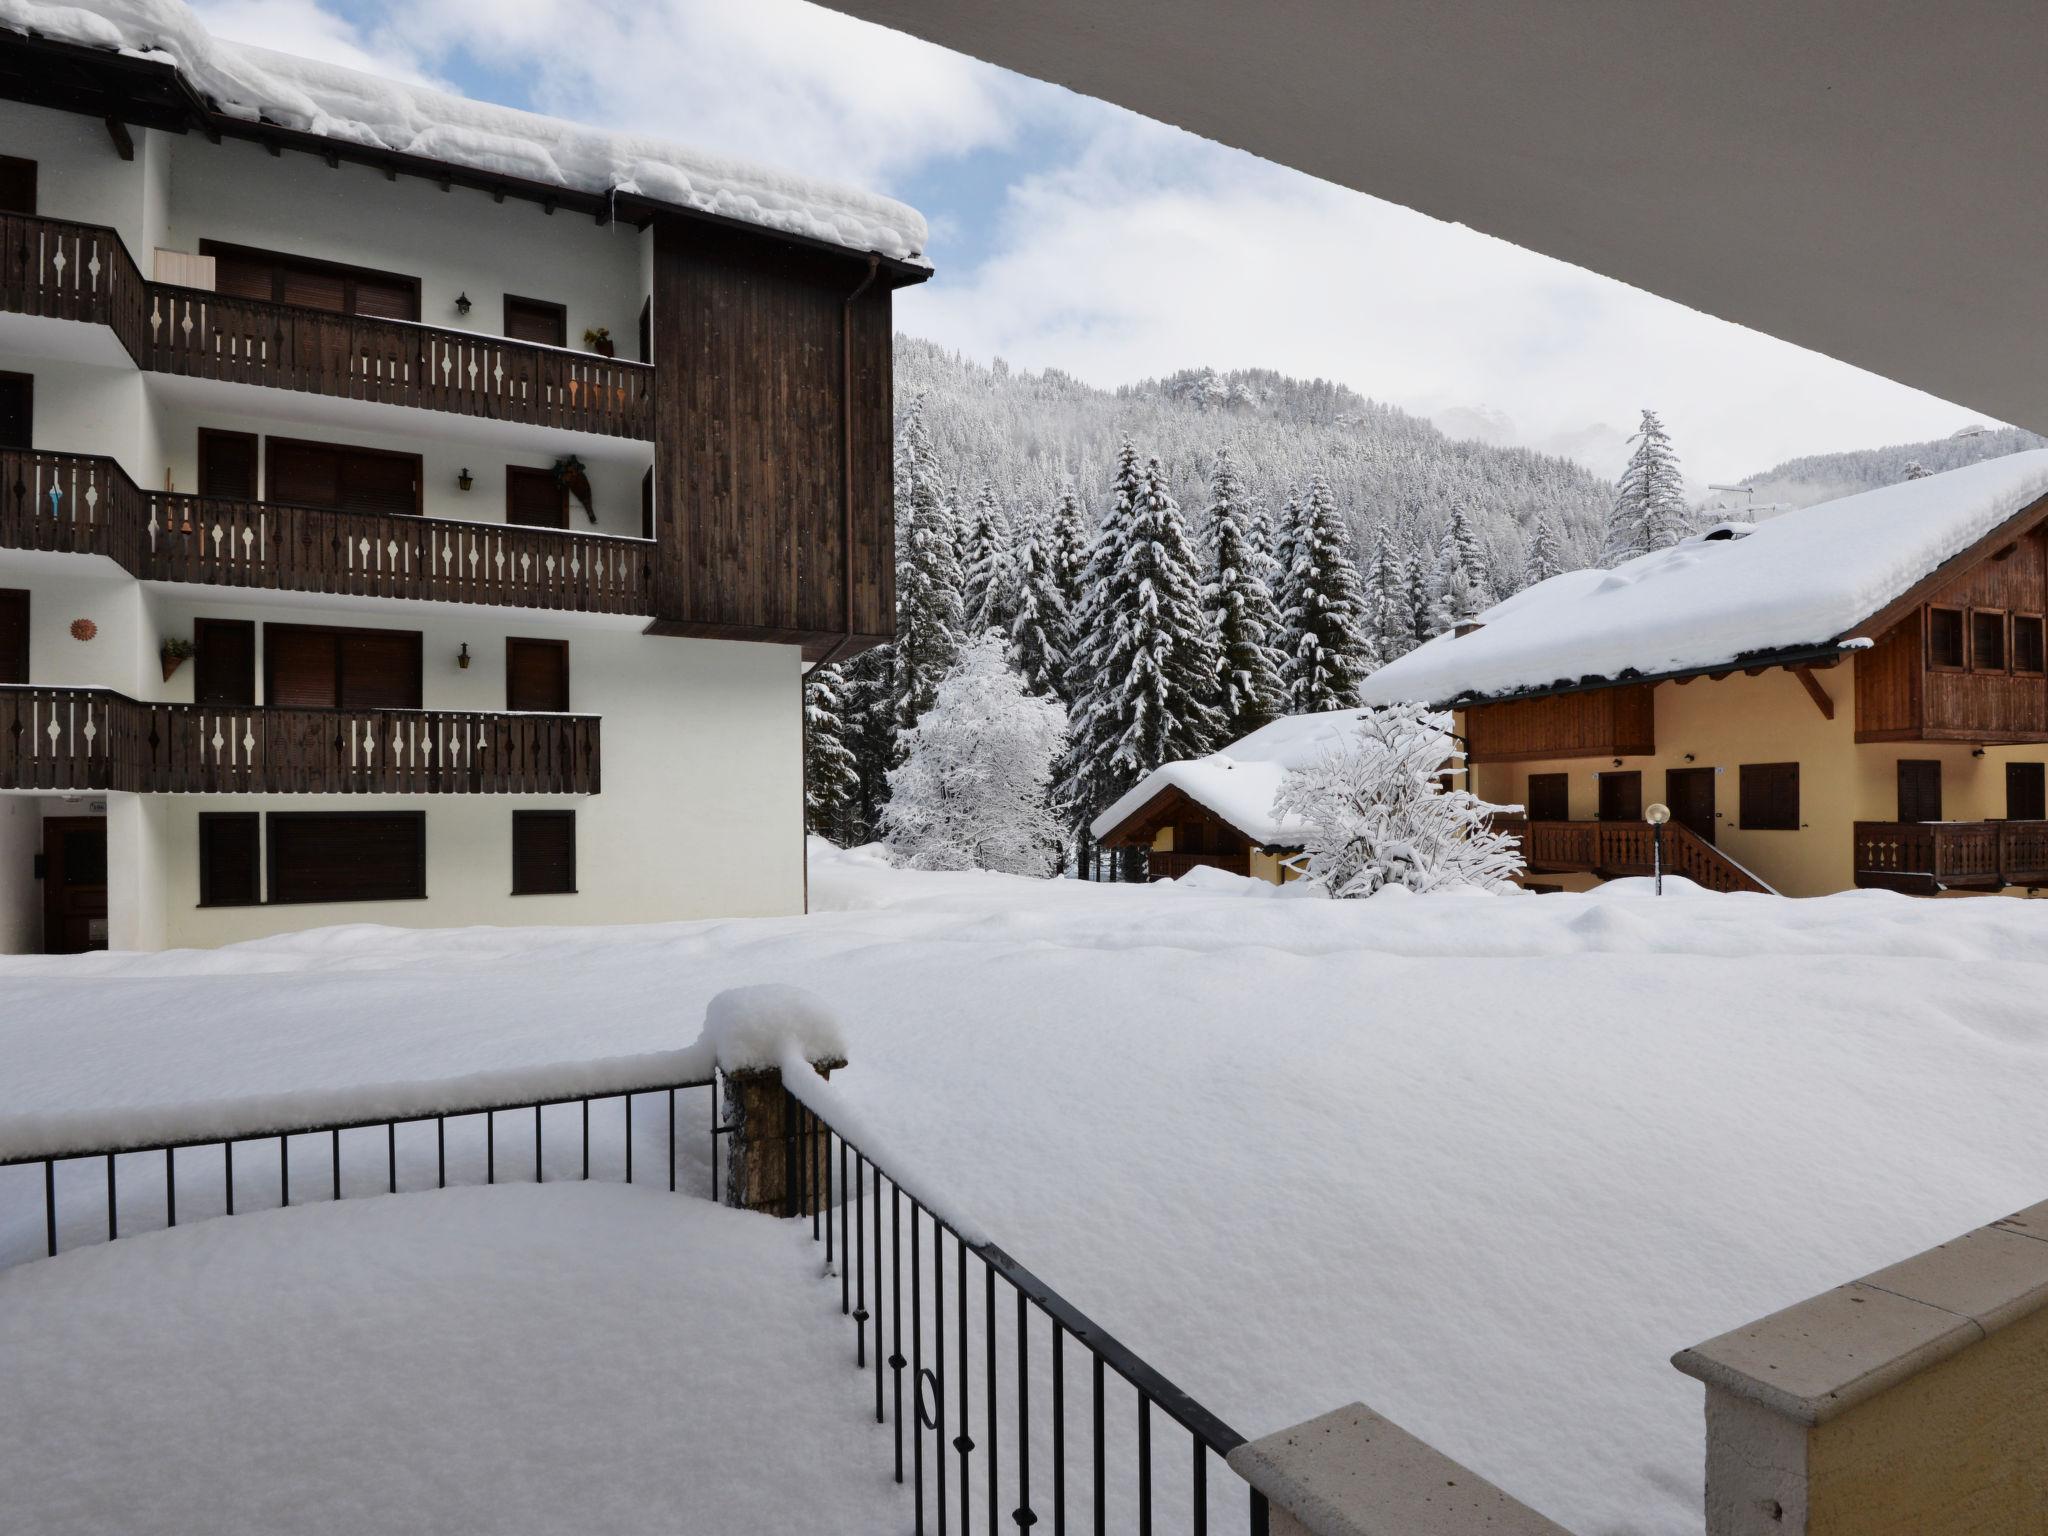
411	509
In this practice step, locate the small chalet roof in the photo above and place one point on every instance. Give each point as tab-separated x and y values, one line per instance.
1809	580
367	111
1238	783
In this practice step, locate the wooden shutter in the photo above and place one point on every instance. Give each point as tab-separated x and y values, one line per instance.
380	482
380	669
227	464
1770	797
17	184
537	676
388	298
536	320
1919	789
1621	796
13	635
312	288
230	859
348	856
543	853
18	410
302	667
534	499
307	474
244	275
2026	792
224	663
1549	797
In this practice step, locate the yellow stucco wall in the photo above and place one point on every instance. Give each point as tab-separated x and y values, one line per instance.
1770	719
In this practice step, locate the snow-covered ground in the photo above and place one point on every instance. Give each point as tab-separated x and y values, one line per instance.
1484	1162
515	1359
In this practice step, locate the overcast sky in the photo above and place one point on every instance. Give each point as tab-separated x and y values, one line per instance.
1073	234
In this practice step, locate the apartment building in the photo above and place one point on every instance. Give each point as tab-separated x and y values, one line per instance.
411	510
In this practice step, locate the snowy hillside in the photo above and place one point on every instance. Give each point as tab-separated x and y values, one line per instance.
1824	476
1029	431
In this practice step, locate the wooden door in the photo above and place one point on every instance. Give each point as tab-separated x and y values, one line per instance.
1621	796
534	498
1690	794
536	320
2026	792
537	676
227	464
13	635
342	477
1549	797
74	884
17	185
224	662
17	410
1919	789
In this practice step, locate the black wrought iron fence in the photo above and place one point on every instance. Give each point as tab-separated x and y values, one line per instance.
1099	1479
309	1162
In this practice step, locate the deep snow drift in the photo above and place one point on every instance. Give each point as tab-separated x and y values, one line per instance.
1483	1162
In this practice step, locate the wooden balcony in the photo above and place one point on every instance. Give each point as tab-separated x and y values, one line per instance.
1171	866
67	739
1927	857
83	272
86	504
1619	849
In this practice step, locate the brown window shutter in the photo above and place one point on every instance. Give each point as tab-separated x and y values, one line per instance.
348	856
387	299
543	853
386	483
224	668
1770	797
17	185
314	288
244	276
537	676
230	859
13	635
1919	789
1621	796
308	474
380	669
2026	792
302	667
534	498
536	320
227	465
1549	797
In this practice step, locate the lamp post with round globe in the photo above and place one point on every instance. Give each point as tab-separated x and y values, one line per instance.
1656	814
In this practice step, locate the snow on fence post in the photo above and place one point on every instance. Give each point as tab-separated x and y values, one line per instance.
757	1032
1353	1473
1907	1403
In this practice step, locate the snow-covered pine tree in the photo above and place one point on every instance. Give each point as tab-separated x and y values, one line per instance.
1419	599
1145	659
1388	623
1374	814
1241	612
1462	587
928	618
1915	470
868	710
971	792
1041	630
1649	510
1069	542
1323	611
831	776
1286	543
1544	560
988	578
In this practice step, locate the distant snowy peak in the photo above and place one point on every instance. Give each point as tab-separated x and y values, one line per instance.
257	85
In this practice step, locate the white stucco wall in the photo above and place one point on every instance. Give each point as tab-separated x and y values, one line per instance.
78	174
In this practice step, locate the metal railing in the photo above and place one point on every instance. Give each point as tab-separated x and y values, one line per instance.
836	1182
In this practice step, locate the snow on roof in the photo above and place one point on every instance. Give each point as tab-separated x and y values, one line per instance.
1806	578
257	85
1238	783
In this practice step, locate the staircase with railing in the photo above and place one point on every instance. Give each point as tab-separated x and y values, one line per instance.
1619	849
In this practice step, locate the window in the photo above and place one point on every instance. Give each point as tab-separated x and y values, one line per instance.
305	667
1770	797
1549	797
543	853
536	320
310	284
2027	653
1945	639
227	464
347	856
13	634
537	676
1621	796
18	410
224	662
1987	639
230	859
534	498
342	478
17	184
1919	789
2026	792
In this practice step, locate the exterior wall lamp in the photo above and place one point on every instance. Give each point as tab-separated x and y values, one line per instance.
462	656
462	303
464	480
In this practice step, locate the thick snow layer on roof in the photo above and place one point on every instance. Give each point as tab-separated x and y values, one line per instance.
1239	782
1806	578
256	84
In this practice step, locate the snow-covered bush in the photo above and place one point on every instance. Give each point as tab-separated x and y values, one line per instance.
1374	813
973	789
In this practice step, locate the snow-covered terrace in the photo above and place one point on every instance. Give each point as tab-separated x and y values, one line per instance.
1484	1163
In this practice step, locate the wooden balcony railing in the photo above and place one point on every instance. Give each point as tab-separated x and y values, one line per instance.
1616	849
1171	866
84	272
87	504
1929	856
94	739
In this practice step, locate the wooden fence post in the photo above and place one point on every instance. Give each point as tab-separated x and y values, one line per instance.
766	1171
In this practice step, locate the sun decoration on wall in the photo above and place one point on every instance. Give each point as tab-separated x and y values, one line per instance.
83	629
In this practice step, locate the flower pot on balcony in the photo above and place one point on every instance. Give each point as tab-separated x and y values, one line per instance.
171	662
605	348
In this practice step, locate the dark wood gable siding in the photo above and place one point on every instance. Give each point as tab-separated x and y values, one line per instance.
749	512
1599	722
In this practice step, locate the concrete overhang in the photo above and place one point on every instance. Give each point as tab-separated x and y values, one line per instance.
1864	179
